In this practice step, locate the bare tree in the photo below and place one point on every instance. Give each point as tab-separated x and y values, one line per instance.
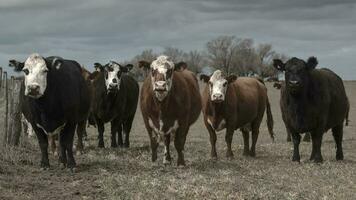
220	52
177	55
195	60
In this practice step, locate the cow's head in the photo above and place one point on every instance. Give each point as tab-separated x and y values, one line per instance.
36	69
161	75
217	84
112	74
296	72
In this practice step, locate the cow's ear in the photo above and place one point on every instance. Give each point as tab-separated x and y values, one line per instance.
98	67
18	66
312	63
279	65
56	63
180	66
126	68
144	65
231	78
204	78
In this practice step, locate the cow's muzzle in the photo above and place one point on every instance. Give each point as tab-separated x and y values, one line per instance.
33	91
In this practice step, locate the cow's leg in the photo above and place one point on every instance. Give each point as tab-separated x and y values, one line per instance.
306	137
127	128
101	133
317	137
179	143
43	143
296	141
338	134
228	139
167	156
154	145
119	135
289	139
52	144
114	129
66	140
255	132
80	134
212	134
245	135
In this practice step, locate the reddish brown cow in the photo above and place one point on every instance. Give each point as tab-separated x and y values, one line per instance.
233	103
170	104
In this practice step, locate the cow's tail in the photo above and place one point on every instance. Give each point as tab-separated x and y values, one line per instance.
268	112
269	119
347	113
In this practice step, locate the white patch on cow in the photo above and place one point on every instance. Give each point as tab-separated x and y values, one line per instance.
218	86
29	131
159	133
55	132
165	161
162	64
221	126
113	80
37	75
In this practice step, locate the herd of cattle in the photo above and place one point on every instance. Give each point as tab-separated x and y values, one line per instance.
61	97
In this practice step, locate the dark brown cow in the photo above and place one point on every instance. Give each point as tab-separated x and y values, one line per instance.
170	104
312	100
233	103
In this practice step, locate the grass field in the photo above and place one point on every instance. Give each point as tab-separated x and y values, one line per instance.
130	174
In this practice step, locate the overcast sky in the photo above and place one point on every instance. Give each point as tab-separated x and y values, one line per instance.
96	31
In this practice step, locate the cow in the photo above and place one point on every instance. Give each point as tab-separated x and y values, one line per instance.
115	99
312	100
278	84
57	99
233	103
170	103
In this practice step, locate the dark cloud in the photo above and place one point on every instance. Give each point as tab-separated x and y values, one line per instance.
90	30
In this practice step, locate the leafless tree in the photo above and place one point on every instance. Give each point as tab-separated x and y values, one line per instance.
221	51
177	55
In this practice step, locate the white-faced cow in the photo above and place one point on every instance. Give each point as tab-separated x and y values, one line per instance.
235	103
57	100
115	100
170	104
312	100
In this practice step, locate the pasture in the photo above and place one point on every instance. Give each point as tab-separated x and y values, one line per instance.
129	173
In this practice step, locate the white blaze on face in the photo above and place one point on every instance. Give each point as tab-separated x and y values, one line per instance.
161	76
112	79
218	86
35	69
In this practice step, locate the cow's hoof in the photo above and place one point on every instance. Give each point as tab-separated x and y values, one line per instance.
246	153
318	160
166	162
214	157
62	166
72	170
296	159
252	154
101	145
126	145
44	168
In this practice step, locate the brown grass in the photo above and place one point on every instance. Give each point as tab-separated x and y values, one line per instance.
129	174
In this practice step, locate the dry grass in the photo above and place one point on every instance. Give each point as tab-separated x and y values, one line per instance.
129	174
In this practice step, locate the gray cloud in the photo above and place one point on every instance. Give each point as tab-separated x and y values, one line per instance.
91	31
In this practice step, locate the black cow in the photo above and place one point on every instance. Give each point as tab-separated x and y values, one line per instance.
115	100
56	100
312	100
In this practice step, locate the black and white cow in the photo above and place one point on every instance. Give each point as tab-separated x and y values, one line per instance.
115	100
57	98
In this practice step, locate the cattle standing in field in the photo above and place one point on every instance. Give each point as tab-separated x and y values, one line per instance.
115	100
170	103
235	103
312	100
57	100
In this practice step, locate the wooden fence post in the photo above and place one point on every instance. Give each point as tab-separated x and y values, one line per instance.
6	108
15	116
10	109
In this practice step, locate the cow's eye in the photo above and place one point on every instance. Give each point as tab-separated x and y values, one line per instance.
225	84
169	73
26	71
210	83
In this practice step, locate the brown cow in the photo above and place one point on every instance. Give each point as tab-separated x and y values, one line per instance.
233	103
170	104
